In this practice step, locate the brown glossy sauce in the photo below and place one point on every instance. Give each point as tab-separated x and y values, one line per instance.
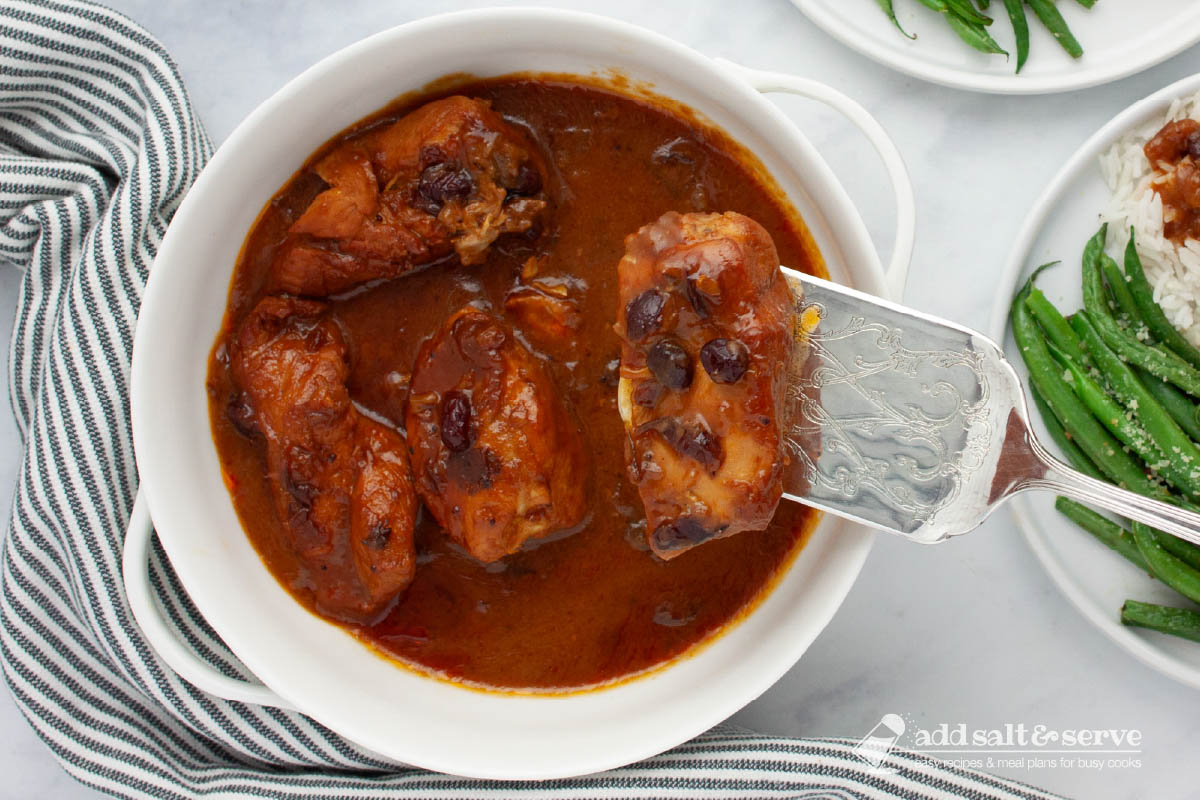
1174	153
592	605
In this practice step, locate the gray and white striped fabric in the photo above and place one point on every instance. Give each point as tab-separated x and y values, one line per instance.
98	144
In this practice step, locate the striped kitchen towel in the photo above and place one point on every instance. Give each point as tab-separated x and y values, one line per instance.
98	145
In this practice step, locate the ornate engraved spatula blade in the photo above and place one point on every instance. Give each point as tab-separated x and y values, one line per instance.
917	425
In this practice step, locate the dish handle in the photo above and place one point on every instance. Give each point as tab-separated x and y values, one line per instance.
896	273
135	563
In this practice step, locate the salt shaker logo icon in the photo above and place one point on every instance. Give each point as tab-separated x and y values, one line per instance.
876	745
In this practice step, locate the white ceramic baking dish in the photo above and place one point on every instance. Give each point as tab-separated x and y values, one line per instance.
315	667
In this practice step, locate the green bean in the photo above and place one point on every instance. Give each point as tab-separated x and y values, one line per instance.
1182	549
1090	435
1067	340
970	31
1020	25
1152	312
1117	284
1156	405
1118	420
975	35
1162	363
1185	413
1181	408
1164	566
1126	428
1180	622
1059	435
1104	529
966	12
1122	540
1178	405
1057	329
1159	362
886	5
1091	255
1048	13
1180	452
969	22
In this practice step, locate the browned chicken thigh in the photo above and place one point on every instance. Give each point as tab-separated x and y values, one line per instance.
450	177
341	480
497	457
706	322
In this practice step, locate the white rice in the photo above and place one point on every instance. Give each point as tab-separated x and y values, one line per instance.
1173	270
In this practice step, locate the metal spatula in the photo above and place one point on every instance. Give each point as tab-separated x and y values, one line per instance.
918	426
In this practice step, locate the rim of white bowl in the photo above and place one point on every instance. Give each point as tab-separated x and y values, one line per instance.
1083	159
1181	38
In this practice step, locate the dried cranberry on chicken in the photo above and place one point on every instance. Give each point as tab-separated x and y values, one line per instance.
448	178
498	458
340	480
706	321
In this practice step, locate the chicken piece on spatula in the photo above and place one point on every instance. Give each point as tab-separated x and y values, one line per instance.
706	319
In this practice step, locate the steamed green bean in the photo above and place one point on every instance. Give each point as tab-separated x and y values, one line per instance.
1181	622
971	24
1151	312
1048	13
1104	529
1162	363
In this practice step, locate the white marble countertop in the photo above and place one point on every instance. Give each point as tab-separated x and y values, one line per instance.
971	632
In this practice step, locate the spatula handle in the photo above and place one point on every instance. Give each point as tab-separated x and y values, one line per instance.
1061	479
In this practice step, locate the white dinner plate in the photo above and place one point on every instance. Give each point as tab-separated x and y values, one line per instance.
1094	578
1119	38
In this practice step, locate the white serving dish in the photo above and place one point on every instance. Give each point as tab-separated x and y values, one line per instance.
315	667
1119	38
1095	579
